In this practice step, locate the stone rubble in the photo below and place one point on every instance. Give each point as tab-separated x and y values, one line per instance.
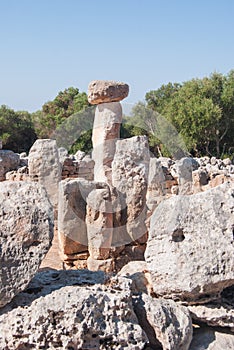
157	233
120	321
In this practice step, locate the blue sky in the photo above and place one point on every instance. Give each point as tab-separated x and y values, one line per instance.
49	45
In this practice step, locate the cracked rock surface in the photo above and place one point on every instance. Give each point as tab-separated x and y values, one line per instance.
26	231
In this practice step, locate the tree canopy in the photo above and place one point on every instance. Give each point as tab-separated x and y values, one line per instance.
195	116
16	130
55	112
202	110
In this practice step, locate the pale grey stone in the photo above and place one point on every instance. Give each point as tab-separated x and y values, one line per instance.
190	249
205	338
72	316
130	169
26	231
184	169
8	161
44	167
106	129
164	321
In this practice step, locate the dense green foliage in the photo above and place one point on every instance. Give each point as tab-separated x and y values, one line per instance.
55	112
196	116
202	110
16	130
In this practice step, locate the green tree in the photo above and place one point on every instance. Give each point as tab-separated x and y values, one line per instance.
55	112
16	130
201	110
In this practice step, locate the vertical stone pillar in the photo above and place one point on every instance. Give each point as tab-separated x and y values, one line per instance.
130	177
156	190
44	167
184	168
106	130
99	220
72	231
108	117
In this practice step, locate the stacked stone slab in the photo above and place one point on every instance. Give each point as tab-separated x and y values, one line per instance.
74	166
106	131
86	217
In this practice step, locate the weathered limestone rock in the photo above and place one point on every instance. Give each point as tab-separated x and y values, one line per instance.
72	232
156	190
44	167
106	265
190	250
185	168
100	91
99	221
63	154
164	321
90	317
47	281
138	272
130	169
215	315
8	161
106	128
200	178
0	144
26	231
211	339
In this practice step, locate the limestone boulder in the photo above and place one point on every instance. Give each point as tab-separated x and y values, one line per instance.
130	169
8	161
26	231
44	167
190	251
164	322
72	317
102	91
211	339
138	273
216	314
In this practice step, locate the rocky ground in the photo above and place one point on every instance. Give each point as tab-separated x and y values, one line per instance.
122	251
